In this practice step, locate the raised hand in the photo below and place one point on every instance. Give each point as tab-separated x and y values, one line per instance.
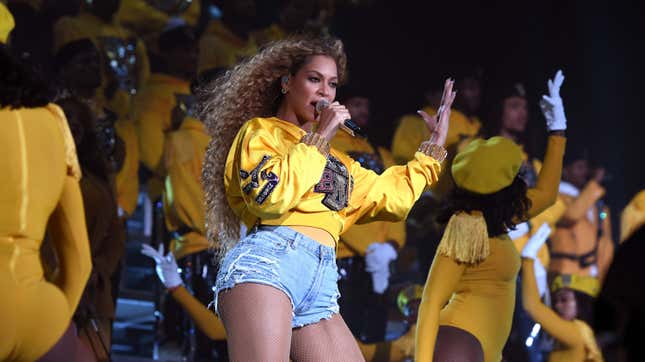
166	268
552	106
439	123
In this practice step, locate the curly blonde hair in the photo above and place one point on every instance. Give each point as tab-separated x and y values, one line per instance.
251	89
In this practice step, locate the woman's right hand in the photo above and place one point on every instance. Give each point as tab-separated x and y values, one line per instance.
166	268
330	119
439	123
552	106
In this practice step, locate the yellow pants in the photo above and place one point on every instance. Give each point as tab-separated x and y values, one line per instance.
34	312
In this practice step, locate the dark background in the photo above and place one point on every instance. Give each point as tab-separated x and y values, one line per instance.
396	47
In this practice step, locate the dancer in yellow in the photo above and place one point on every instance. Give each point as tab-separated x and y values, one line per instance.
39	185
469	296
575	340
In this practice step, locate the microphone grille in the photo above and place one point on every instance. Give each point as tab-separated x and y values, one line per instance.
321	104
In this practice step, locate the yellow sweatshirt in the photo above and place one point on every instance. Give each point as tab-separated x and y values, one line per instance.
219	47
357	238
271	177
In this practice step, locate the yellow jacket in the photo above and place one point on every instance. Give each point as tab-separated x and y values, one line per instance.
86	25
219	47
576	341
271	177
480	298
183	194
577	232
357	238
269	34
153	117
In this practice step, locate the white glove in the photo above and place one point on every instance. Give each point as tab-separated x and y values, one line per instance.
378	256
551	105
380	280
166	268
520	230
536	241
377	262
540	277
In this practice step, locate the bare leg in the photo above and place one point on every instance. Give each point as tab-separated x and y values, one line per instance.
257	319
327	340
456	345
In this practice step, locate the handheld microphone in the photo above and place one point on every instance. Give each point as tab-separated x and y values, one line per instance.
348	125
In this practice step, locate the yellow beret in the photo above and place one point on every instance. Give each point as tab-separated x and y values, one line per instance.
633	216
487	166
582	283
6	23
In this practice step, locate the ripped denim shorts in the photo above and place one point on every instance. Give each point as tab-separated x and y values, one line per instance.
283	258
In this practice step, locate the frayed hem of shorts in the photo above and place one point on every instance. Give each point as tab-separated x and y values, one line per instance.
262	282
314	321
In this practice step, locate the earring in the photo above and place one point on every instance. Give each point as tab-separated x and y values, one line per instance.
284	91
284	80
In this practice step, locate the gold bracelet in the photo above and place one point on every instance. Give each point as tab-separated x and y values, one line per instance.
433	150
315	139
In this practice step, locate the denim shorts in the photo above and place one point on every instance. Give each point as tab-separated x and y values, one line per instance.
283	258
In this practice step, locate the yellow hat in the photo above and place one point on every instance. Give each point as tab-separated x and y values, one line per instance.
487	166
633	216
582	283
6	23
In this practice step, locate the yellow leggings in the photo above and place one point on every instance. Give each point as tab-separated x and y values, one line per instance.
34	312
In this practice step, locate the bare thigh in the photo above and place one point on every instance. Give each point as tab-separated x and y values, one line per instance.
257	319
327	340
456	345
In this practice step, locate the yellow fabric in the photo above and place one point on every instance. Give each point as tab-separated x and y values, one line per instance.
633	216
299	167
204	319
465	239
127	179
487	166
219	47
398	350
358	237
269	34
39	188
581	283
575	339
145	19
6	23
86	25
577	231
480	298
412	130
184	195
153	117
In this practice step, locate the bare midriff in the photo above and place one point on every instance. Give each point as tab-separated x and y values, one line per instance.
320	235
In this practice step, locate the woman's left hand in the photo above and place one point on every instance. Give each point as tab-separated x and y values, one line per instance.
439	123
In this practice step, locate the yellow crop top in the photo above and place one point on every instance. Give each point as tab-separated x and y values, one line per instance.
271	177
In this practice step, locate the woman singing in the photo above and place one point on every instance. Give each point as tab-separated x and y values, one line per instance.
270	166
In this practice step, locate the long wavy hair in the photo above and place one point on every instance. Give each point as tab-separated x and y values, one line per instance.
250	89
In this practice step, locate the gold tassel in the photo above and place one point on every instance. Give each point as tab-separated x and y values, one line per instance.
466	238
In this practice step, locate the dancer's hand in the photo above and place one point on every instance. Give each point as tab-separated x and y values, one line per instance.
439	123
166	268
536	241
552	106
